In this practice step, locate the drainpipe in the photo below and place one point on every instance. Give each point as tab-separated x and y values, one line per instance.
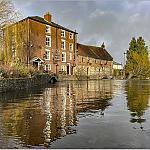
56	48
28	43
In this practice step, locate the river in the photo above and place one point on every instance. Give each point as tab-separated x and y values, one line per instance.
85	114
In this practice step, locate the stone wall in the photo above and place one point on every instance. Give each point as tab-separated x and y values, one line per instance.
80	78
22	83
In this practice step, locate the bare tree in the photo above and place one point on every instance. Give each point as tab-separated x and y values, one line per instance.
8	15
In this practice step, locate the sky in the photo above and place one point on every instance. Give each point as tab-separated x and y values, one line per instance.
113	22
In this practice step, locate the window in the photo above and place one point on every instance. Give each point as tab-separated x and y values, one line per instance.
71	35
82	59
13	52
70	56
63	45
48	29
63	68
70	46
47	55
48	41
63	33
63	57
47	67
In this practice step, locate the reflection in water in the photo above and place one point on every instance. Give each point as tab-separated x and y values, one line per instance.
138	99
38	117
92	109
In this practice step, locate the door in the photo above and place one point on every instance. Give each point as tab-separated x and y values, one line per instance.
67	69
35	64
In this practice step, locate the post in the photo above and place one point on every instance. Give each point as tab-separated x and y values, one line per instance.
124	63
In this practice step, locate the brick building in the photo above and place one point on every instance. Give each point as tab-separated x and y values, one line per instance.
94	61
42	43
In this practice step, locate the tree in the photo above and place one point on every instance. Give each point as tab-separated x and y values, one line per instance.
80	73
7	15
138	63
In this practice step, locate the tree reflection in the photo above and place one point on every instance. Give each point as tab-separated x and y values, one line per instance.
137	99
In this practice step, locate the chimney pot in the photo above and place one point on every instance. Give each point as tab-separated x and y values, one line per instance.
47	16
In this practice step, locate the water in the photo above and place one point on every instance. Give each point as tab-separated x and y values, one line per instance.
93	114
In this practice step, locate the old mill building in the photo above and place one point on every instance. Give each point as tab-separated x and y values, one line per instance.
51	47
95	61
42	43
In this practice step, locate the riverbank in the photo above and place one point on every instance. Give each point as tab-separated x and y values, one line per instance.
12	84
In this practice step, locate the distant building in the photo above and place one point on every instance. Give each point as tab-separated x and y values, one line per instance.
117	70
42	43
117	66
94	61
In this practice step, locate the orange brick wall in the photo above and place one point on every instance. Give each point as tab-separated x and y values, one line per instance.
30	39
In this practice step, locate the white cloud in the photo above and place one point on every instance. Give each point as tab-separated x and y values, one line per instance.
97	13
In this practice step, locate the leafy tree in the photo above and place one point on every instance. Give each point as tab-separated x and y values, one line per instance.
138	63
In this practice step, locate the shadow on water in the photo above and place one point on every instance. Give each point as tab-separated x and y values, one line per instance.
37	117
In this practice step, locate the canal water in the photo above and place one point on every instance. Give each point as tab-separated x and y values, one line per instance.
87	114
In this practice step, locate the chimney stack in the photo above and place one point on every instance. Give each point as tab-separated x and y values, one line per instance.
47	16
103	46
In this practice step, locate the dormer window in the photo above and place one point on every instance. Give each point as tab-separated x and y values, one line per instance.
71	35
48	29
63	33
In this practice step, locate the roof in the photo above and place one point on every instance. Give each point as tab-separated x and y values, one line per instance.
36	59
42	20
115	63
94	52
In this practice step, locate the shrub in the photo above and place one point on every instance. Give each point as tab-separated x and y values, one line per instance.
80	73
17	70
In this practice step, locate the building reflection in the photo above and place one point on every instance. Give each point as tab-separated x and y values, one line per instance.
137	100
42	118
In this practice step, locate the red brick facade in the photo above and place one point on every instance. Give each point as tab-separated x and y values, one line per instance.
39	42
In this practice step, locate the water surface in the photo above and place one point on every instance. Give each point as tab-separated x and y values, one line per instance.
88	114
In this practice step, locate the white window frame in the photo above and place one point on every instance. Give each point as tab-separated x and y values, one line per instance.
63	67
47	50
48	29
64	56
47	66
63	34
71	46
46	41
70	56
64	47
70	35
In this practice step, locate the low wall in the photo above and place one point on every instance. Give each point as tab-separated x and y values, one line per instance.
74	78
22	83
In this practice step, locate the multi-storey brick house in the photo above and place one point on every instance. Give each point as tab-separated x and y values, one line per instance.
42	43
94	61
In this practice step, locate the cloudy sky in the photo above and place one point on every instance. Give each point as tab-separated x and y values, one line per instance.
114	22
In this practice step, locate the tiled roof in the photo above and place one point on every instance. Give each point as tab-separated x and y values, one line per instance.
93	52
42	20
